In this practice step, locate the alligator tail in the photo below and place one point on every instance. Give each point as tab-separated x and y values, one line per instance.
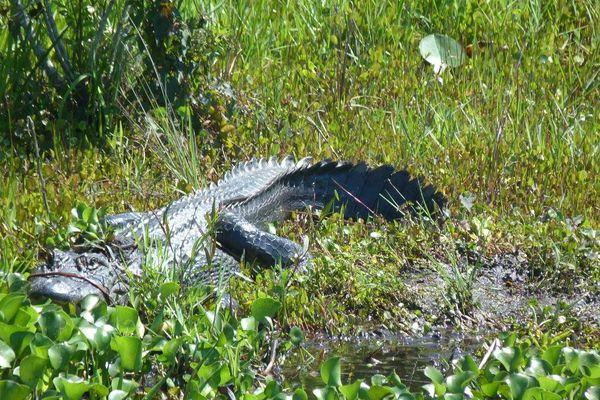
357	189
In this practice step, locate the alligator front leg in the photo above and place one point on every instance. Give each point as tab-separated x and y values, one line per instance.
242	239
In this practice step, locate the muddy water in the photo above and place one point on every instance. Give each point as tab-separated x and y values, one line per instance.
364	357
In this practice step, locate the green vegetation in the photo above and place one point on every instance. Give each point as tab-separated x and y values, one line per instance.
107	351
133	103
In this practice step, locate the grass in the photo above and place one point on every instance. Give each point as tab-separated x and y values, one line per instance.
511	138
513	130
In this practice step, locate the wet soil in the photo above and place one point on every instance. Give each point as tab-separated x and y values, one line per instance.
496	294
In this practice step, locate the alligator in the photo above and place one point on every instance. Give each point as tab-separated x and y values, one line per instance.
212	230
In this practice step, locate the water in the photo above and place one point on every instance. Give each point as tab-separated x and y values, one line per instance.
364	357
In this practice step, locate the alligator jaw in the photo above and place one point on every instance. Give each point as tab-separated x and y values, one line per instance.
69	276
64	287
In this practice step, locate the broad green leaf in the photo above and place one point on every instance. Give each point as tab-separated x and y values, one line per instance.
458	382
510	357
377	392
167	289
32	368
593	393
264	307
538	367
299	394
331	372
454	396
89	302
127	385
130	351
13	390
441	50
60	354
9	306
552	354
490	389
350	391
72	387
378	380
7	355
40	345
549	383
467	363
537	393
518	384
571	358
19	341
326	393
248	324
57	325
434	374
99	389
125	319
590	364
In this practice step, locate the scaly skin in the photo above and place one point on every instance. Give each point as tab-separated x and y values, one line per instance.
240	206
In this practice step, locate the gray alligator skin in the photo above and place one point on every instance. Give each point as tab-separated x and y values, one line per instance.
240	206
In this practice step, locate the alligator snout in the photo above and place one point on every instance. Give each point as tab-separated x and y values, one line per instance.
69	277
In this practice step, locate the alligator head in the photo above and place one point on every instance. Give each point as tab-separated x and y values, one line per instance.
69	276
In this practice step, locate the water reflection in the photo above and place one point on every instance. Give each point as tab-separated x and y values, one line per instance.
364	357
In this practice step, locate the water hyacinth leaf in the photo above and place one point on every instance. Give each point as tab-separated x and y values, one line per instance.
125	319
127	385
571	358
171	348
458	382
377	392
296	336
72	387
550	383
168	289
13	390
538	367
467	363
331	372
437	387
518	384
264	307
118	395
57	325
593	393
89	302
590	364
378	379
60	354
9	306
19	341
248	324
510	357
7	355
434	374
8	330
350	391
538	393
454	396
299	394
130	351
99	389
441	51
490	389
40	345
552	354
326	393
32	368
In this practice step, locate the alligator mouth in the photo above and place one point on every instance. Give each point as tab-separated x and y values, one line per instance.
43	285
